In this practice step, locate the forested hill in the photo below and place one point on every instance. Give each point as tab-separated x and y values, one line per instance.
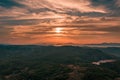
30	62
56	54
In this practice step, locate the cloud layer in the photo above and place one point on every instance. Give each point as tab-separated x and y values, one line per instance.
34	21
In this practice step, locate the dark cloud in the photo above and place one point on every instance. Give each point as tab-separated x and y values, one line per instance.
109	29
111	5
9	3
103	2
14	22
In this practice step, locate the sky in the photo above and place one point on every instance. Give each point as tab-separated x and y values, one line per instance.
59	22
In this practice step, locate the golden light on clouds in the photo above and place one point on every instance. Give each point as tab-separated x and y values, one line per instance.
60	35
59	21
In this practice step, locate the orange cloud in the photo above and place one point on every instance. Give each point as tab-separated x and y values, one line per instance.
63	5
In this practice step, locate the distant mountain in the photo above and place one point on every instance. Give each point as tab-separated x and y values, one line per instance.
104	45
63	54
70	44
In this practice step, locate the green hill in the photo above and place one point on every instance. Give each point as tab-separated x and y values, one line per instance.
55	63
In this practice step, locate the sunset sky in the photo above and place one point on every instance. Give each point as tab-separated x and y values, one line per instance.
59	21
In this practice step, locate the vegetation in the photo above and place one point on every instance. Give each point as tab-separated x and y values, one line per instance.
56	63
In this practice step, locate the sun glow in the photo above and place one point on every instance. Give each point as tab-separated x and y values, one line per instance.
58	30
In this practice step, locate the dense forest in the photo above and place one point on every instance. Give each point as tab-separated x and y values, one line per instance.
30	62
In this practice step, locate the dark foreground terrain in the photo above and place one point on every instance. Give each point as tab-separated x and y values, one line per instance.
59	63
